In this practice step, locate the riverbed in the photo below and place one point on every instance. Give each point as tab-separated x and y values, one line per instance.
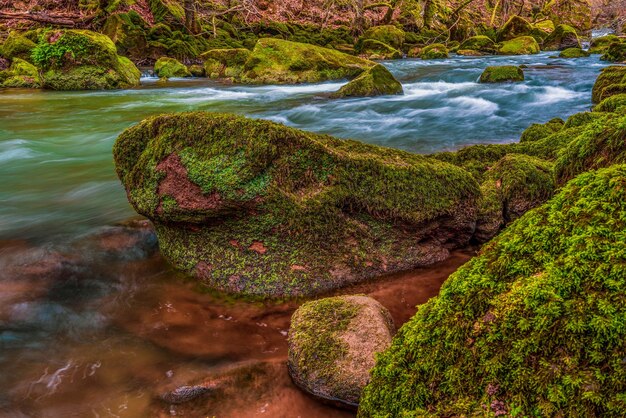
92	320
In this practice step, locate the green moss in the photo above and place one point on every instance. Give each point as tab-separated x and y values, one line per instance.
377	81
128	32
563	37
225	62
374	49
614	103
21	74
574	53
274	61
514	28
197	70
17	46
500	74
533	326
387	34
538	131
610	76
170	12
601	44
434	51
336	210
523	45
170	67
479	43
616	52
546	26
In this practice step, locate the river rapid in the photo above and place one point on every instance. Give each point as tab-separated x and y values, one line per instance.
92	320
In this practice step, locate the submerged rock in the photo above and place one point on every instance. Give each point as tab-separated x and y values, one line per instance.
333	343
524	45
169	67
257	208
526	325
500	74
377	81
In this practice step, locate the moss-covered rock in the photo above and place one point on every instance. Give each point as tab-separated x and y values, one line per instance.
533	326
20	74
333	343
524	45
128	32
197	70
479	43
275	61
514	28
256	208
170	67
469	53
82	60
563	37
612	80
574	53
503	73
17	46
377	81
616	52
538	131
601	44
225	63
545	26
387	34
376	50
616	103
434	51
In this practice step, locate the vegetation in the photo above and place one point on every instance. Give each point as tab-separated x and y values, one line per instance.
573	53
170	67
434	51
501	74
523	45
377	81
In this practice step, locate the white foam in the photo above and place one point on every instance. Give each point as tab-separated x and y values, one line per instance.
552	94
474	105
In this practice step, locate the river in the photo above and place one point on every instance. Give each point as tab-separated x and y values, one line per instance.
94	323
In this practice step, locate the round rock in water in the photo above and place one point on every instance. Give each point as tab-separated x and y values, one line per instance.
332	346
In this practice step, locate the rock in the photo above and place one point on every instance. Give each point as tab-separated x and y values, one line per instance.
526	307
500	74
616	52
169	68
612	80
275	61
18	46
434	51
82	60
197	70
128	32
333	343
21	74
614	103
601	44
387	34
469	53
373	49
377	81
545	26
481	43
225	63
184	394
563	37
219	188
524	45
574	53
514	28
538	131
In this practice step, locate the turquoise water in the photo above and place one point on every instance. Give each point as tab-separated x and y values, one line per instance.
55	147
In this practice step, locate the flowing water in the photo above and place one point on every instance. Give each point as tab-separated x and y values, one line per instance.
93	323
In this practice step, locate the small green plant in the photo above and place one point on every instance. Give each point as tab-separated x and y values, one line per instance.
51	52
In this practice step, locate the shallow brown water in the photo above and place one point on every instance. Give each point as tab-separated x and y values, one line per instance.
96	332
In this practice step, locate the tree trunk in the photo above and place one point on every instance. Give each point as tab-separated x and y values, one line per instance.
190	16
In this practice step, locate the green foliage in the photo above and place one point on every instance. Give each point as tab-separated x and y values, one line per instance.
377	81
538	131
608	83
614	103
69	47
500	74
533	326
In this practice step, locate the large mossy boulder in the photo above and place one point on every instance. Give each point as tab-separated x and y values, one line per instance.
225	63
82	60
276	61
17	45
387	34
376	50
533	326
501	74
434	51
574	53
563	37
616	103
21	74
601	44
514	28
333	343
480	43
257	208
524	45
166	67
128	32
611	81
377	81
616	52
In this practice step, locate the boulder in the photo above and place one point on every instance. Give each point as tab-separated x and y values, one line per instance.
601	44
197	70
524	45
616	52
434	51
169	67
563	37
574	53
538	131
377	81
333	343
387	34
616	103
257	208
225	63
17	45
514	28
530	327
82	60
374	49
611	81
480	43
469	53
501	74
21	74
128	32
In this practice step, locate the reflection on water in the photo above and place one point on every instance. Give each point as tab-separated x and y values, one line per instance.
55	147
